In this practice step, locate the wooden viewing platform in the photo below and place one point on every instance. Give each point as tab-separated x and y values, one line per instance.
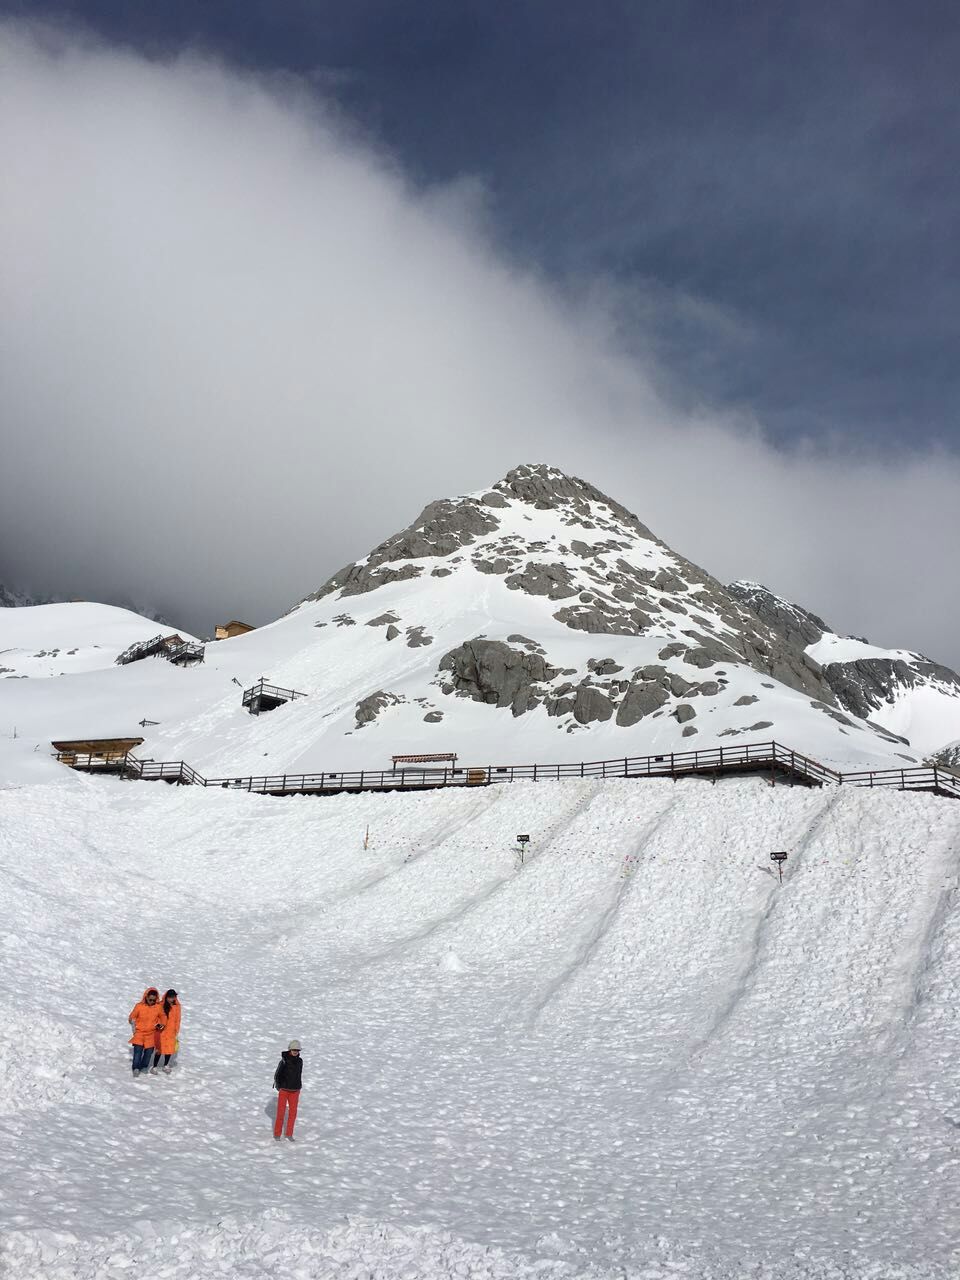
265	697
174	648
769	760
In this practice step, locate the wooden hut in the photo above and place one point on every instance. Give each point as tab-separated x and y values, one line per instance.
107	754
227	630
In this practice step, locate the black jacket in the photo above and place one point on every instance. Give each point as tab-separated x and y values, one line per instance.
288	1072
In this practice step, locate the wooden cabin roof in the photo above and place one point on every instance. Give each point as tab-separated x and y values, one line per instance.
83	746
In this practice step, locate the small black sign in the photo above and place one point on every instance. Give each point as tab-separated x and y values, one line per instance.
778	857
523	839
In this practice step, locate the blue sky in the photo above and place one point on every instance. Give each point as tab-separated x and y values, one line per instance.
771	189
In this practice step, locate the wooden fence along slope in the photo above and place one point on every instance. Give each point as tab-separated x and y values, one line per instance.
770	759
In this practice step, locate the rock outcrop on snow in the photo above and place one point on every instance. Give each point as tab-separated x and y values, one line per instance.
863	682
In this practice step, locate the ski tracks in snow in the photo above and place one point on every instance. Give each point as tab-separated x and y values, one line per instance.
600	923
467	906
744	982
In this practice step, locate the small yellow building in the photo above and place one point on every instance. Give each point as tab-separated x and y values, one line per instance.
227	630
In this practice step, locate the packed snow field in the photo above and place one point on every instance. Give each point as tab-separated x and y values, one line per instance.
636	1054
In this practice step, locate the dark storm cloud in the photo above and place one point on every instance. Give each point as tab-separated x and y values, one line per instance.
240	346
792	167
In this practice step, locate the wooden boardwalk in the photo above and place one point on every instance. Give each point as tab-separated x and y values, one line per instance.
770	760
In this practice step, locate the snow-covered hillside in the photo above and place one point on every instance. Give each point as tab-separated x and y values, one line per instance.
65	639
537	621
903	691
637	1055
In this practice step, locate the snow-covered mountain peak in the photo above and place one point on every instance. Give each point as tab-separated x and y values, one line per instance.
544	597
534	620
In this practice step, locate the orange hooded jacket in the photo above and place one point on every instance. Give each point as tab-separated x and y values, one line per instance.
167	1038
146	1018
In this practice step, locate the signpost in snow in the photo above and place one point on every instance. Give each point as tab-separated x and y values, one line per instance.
522	841
779	859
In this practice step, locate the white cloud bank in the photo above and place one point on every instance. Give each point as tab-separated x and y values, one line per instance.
238	348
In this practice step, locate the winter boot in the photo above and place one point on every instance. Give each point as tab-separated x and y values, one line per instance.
167	1070
153	1071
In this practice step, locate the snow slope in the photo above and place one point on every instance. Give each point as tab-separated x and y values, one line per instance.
65	639
636	1055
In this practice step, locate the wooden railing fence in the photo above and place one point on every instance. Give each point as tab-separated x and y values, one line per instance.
771	758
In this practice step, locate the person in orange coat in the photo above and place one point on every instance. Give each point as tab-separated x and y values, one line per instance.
145	1018
165	1044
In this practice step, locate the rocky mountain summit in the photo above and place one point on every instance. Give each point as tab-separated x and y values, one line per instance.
564	607
536	620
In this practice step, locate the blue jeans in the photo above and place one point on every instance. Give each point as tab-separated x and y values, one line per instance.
142	1056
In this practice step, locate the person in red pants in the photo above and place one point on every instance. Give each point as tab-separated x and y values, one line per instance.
287	1079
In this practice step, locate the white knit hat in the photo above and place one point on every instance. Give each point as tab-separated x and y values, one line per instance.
294	1044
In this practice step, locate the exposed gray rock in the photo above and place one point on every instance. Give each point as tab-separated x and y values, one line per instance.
672	650
527	643
641	699
699	657
344	620
947	757
689	731
441	529
600	619
392	632
679	686
367	579
797	626
684	712
591	705
440	573
709	688
866	684
498	566
763	724
652	672
493	672
548	489
383	619
433	717
667	580
746	700
603	666
417	637
369	708
494	499
551	580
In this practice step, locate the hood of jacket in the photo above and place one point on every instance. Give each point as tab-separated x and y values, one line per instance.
148	991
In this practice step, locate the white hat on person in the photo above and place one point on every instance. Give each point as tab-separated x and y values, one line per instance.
294	1044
